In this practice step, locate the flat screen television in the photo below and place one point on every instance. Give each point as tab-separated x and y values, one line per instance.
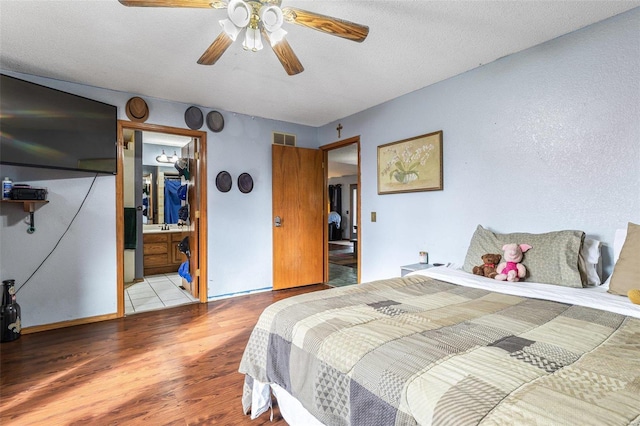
45	127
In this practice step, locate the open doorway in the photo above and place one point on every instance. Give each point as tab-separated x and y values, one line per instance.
343	177
151	277
164	206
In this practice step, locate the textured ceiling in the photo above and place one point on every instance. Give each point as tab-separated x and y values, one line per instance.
153	51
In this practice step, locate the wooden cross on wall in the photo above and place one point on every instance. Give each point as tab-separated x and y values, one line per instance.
339	128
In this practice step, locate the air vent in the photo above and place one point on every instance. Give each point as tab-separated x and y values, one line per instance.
284	139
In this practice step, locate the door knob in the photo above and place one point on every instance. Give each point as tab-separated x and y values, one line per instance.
278	222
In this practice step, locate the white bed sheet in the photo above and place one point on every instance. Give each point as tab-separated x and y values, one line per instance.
592	297
292	410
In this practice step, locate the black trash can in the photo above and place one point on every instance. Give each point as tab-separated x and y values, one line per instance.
10	325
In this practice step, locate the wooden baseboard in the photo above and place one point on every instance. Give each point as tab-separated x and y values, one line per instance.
70	323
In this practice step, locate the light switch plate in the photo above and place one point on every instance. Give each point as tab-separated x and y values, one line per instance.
373	216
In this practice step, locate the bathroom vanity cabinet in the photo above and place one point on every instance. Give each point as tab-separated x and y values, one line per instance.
161	253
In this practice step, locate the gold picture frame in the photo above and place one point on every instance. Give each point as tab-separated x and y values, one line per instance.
411	165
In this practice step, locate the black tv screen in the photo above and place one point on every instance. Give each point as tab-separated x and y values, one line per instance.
44	127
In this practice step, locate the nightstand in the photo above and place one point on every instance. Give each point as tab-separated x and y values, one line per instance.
404	270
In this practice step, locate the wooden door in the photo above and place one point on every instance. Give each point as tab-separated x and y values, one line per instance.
298	217
189	151
137	191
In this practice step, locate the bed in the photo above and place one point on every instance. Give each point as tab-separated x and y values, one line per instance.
443	346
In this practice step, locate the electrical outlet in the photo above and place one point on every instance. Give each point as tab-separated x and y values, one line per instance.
373	216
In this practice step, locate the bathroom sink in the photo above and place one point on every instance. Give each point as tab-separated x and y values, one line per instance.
155	228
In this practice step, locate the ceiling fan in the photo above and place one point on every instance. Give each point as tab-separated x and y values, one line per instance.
261	18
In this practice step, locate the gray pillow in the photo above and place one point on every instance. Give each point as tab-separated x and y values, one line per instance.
553	258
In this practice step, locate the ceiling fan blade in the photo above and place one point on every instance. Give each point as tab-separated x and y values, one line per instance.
285	54
326	24
203	4
215	51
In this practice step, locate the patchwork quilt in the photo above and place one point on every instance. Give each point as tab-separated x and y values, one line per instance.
415	350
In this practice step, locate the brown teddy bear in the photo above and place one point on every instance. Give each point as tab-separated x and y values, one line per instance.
488	269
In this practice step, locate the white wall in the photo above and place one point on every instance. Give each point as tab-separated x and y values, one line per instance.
542	140
79	279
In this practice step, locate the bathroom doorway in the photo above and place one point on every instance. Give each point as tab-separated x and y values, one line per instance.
165	264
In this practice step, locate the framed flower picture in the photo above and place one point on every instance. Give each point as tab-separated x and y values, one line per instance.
411	165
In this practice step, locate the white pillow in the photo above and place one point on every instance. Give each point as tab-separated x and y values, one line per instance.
590	252
618	242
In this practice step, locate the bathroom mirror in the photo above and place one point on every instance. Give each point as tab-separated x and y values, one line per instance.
158	177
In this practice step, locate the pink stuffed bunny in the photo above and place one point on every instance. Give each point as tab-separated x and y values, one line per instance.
511	269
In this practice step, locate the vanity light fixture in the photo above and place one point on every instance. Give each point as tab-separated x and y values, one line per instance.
162	158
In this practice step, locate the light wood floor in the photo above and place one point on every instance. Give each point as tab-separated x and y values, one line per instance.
176	366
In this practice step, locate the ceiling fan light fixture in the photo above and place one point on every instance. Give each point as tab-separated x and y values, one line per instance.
271	18
256	16
252	40
239	13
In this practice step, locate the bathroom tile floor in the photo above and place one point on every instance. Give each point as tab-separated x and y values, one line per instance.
156	292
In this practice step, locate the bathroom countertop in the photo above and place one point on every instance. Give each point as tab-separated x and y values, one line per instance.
157	229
